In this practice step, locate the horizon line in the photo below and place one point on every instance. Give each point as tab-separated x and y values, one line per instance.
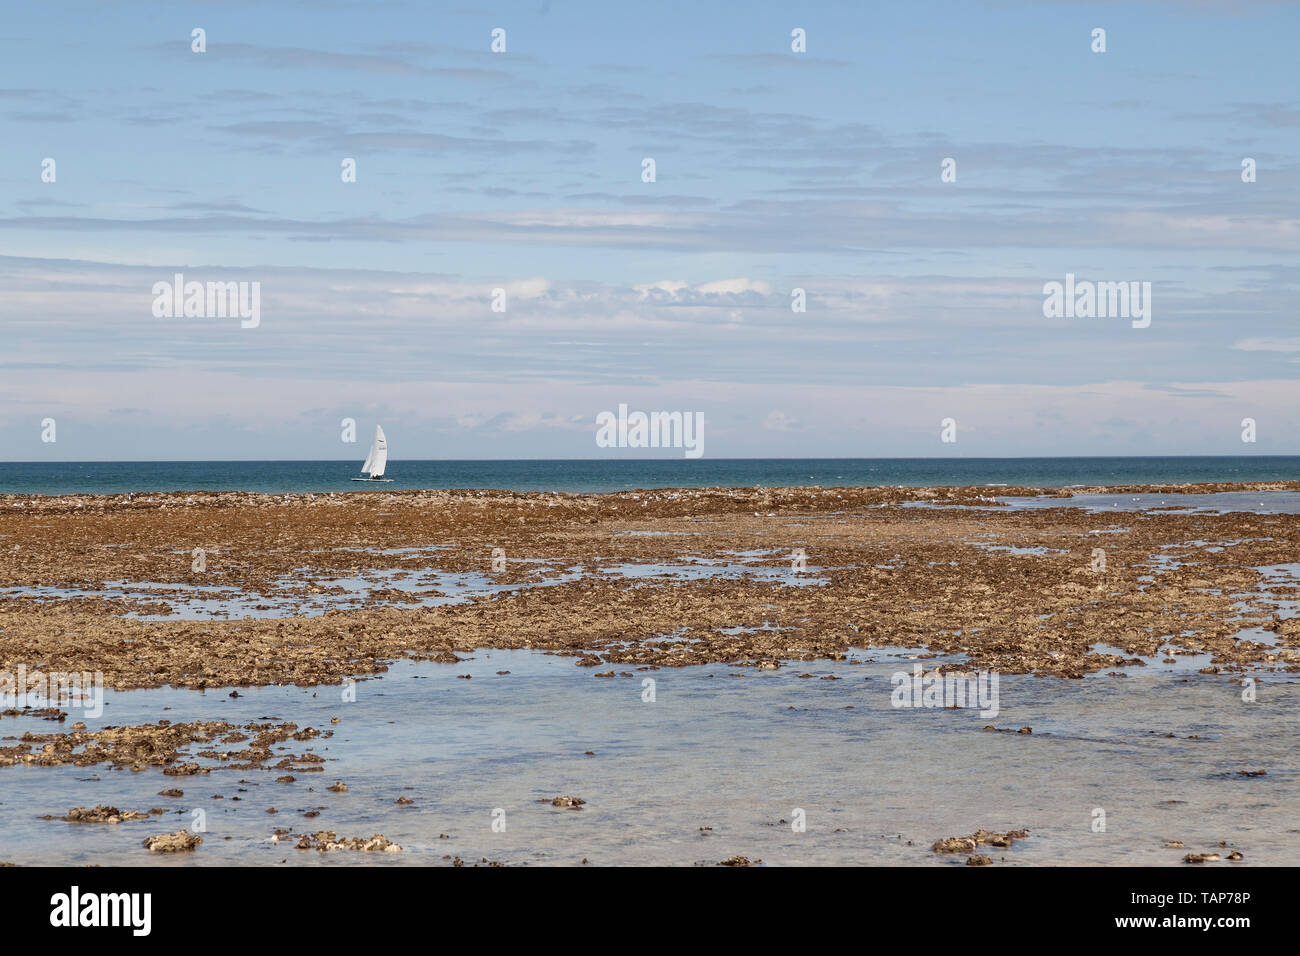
255	461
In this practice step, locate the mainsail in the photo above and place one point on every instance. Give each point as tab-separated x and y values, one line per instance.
377	460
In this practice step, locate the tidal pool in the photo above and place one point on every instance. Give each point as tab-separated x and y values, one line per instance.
708	769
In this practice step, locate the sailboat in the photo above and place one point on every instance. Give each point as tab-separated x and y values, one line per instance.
377	460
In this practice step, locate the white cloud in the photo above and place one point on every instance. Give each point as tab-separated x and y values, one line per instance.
779	421
1268	345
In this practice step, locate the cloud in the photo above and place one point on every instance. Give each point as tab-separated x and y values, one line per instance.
678	291
779	421
219	413
843	227
395	61
768	61
1268	345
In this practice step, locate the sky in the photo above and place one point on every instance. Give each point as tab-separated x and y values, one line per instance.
523	171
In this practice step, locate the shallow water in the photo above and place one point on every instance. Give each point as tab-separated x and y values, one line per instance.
194	602
422	587
1223	502
737	754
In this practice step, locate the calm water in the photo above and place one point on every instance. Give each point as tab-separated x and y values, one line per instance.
737	754
54	478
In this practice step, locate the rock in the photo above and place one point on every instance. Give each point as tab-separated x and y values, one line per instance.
955	845
100	814
381	843
326	841
178	842
978	838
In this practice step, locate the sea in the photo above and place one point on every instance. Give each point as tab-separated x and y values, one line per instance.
610	475
1136	770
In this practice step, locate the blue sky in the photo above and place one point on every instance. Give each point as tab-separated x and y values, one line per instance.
522	170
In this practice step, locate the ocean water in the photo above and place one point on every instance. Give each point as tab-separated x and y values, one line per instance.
281	477
715	765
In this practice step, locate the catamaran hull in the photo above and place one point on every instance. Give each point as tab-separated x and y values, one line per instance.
372	479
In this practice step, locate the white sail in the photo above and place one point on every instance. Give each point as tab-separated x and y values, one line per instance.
377	460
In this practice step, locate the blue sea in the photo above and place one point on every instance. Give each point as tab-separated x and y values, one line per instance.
58	478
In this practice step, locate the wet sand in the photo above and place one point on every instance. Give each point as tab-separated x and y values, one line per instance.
311	590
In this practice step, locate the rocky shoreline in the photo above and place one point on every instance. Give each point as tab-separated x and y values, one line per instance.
631	580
